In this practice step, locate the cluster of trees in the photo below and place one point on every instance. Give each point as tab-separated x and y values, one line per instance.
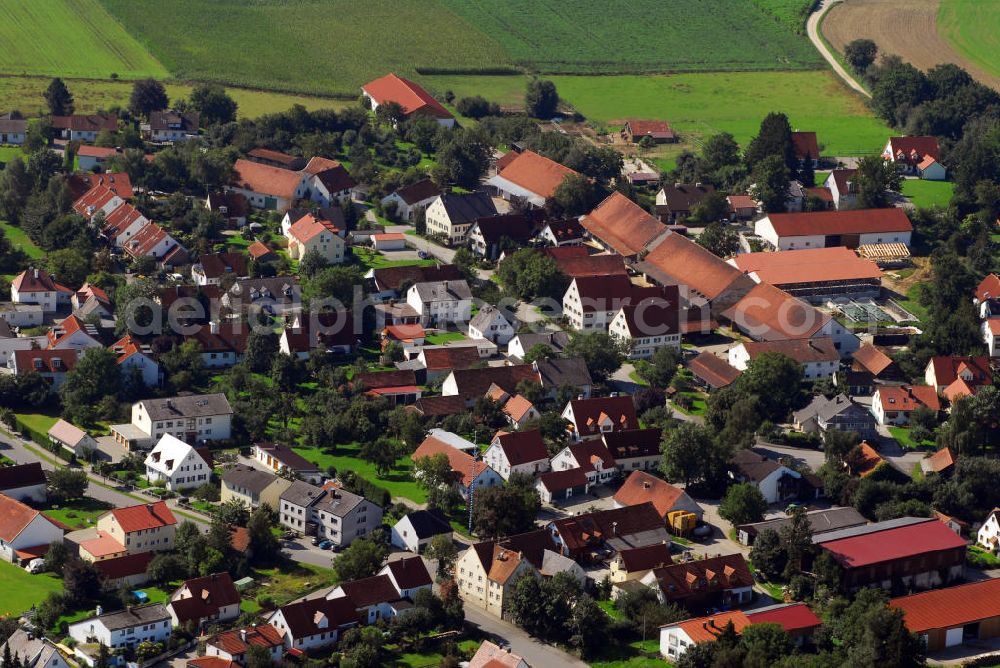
556	609
527	274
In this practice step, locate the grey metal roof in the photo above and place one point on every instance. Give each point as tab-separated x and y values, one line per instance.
870	528
338	502
195	405
559	371
820	521
466	207
301	493
443	291
123	619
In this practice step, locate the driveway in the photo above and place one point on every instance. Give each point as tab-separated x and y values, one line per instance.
812	28
534	651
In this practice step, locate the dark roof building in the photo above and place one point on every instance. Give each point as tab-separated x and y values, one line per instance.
675	202
595	535
820	522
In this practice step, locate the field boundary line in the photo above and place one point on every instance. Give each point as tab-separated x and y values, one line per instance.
812	28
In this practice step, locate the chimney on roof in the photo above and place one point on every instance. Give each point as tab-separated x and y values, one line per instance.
614	528
213	327
243	635
36	272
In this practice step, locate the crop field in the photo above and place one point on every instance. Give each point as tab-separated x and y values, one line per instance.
701	104
792	13
640	36
70	38
973	28
924	32
26	95
304	45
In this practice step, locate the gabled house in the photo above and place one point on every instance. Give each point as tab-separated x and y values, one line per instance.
267	156
32	651
71	437
35	286
814	274
556	374
310	234
491	324
592	456
191	418
266	187
83	127
233	645
399	388
776	482
315	622
958	376
253	487
988	536
52	365
594	535
73	333
648	326
964	614
564	232
414	101
222	344
818	356
13	131
869	367
490	236
390	282
469	471
700	584
171	126
806	148
441	302
892	404
470	384
530	177
451	215
176	464
590	418
153	241
100	200
555	486
373	597
233	207
279	296
205	601
674	203
641	487
635	563
839	413
621	226
135	357
415	530
147	527
25	533
280	458
212	267
328	182
820	522
517	452
941	462
636	130
712	372
592	302
91	157
915	155
124	628
522	342
491	655
440	361
331	331
516	408
410	199
843	187
634	449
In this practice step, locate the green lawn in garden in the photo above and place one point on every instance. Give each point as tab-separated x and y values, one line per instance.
698	404
636	654
399	482
21	589
40	422
78	513
925	194
912	303
20	240
444	337
292	580
374	260
902	435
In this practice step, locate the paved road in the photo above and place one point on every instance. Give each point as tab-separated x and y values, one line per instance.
812	27
534	651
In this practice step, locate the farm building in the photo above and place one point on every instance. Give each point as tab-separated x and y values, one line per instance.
825	229
621	226
814	274
414	100
531	177
948	617
636	130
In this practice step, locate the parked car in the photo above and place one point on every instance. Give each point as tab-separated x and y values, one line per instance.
35	565
325	545
423	255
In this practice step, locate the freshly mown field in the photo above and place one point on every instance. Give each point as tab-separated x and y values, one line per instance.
26	95
641	36
700	104
70	38
973	28
304	45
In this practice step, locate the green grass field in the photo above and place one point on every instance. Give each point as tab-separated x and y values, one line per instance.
791	13
701	104
91	95
640	36
398	483
973	29
902	435
79	514
928	193
70	38
23	590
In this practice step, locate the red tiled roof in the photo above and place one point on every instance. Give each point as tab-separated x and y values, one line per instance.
536	173
641	487
118	182
871	359
410	96
266	179
557	481
522	447
27	281
588	265
88	123
211	662
803	351
306	227
588	412
646	558
892	544
474	383
850	221
25	360
681	261
741	202
410	572
941	460
914	148
274	156
656	129
947	369
622	224
144	516
907	398
95	151
120	219
770	314
988	288
466	468
208	595
233	643
794	617
821	192
805	145
719	573
438	359
713	370
14	517
123	567
258	250
406	332
950	607
333	175
869	461
96	197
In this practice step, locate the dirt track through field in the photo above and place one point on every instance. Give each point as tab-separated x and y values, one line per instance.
907	28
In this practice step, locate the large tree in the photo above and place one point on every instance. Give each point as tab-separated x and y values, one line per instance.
66	484
507	510
463	160
860	54
691	454
528	274
95	376
770	178
213	104
541	99
361	559
575	196
147	95
743	504
602	353
876	179
773	139
59	99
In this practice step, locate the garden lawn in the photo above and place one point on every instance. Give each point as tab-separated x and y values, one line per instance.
902	435
444	337
912	303
79	513
928	193
374	260
21	590
7	153
399	482
980	558
19	239
292	581
698	404
636	654
37	421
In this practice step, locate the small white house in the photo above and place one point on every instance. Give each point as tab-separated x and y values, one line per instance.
24	528
177	464
988	536
490	324
441	302
416	529
389	241
24	482
991	335
818	357
517	452
124	628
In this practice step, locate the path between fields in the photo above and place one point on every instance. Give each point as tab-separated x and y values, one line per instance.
812	27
